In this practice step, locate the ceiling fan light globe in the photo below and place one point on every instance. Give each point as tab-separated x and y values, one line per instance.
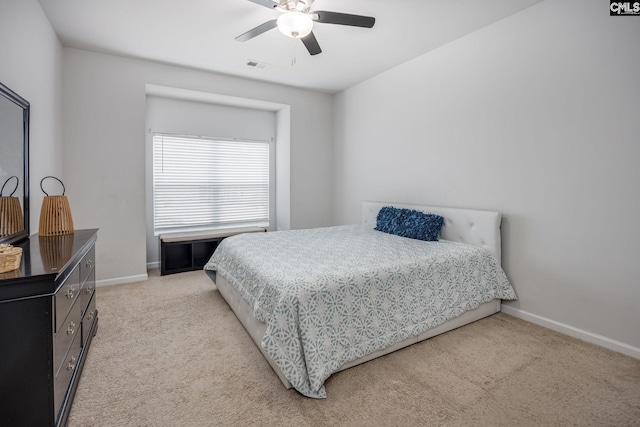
295	24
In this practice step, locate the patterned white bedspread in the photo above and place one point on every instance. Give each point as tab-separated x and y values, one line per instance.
332	295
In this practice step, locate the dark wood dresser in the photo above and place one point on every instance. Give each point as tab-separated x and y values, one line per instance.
48	317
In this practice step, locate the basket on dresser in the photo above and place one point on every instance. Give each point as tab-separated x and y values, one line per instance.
10	257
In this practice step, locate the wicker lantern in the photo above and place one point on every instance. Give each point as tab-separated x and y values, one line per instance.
11	218
55	215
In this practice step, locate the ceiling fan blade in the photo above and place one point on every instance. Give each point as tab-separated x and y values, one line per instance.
257	31
266	3
344	19
311	44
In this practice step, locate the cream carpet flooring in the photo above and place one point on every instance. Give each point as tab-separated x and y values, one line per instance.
170	352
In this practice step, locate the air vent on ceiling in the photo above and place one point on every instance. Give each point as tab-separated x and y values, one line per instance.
256	64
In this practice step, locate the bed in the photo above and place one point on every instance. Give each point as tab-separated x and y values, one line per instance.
322	300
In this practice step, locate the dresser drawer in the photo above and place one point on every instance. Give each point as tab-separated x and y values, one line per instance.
87	264
64	375
66	297
87	320
87	290
64	337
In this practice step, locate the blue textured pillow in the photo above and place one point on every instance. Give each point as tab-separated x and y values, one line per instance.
409	223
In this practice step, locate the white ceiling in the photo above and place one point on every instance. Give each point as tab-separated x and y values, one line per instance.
201	34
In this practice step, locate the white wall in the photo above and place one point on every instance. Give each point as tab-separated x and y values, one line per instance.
31	66
104	132
535	116
283	166
187	117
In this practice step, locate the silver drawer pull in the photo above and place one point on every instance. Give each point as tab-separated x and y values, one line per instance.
88	290
89	263
90	315
72	364
71	329
70	293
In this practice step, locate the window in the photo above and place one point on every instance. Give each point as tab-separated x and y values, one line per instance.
201	183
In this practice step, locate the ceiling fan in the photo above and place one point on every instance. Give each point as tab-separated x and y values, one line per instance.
297	20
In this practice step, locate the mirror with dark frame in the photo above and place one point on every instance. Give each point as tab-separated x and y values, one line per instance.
14	166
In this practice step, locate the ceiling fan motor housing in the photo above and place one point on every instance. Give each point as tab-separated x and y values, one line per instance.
299	5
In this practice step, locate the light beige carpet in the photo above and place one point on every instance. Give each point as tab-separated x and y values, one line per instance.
170	352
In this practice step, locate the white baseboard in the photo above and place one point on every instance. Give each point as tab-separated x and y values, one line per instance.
153	265
563	328
121	280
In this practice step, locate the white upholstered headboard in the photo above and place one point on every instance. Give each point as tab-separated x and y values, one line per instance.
474	227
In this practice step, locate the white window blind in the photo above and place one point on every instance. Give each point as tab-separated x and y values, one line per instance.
201	183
